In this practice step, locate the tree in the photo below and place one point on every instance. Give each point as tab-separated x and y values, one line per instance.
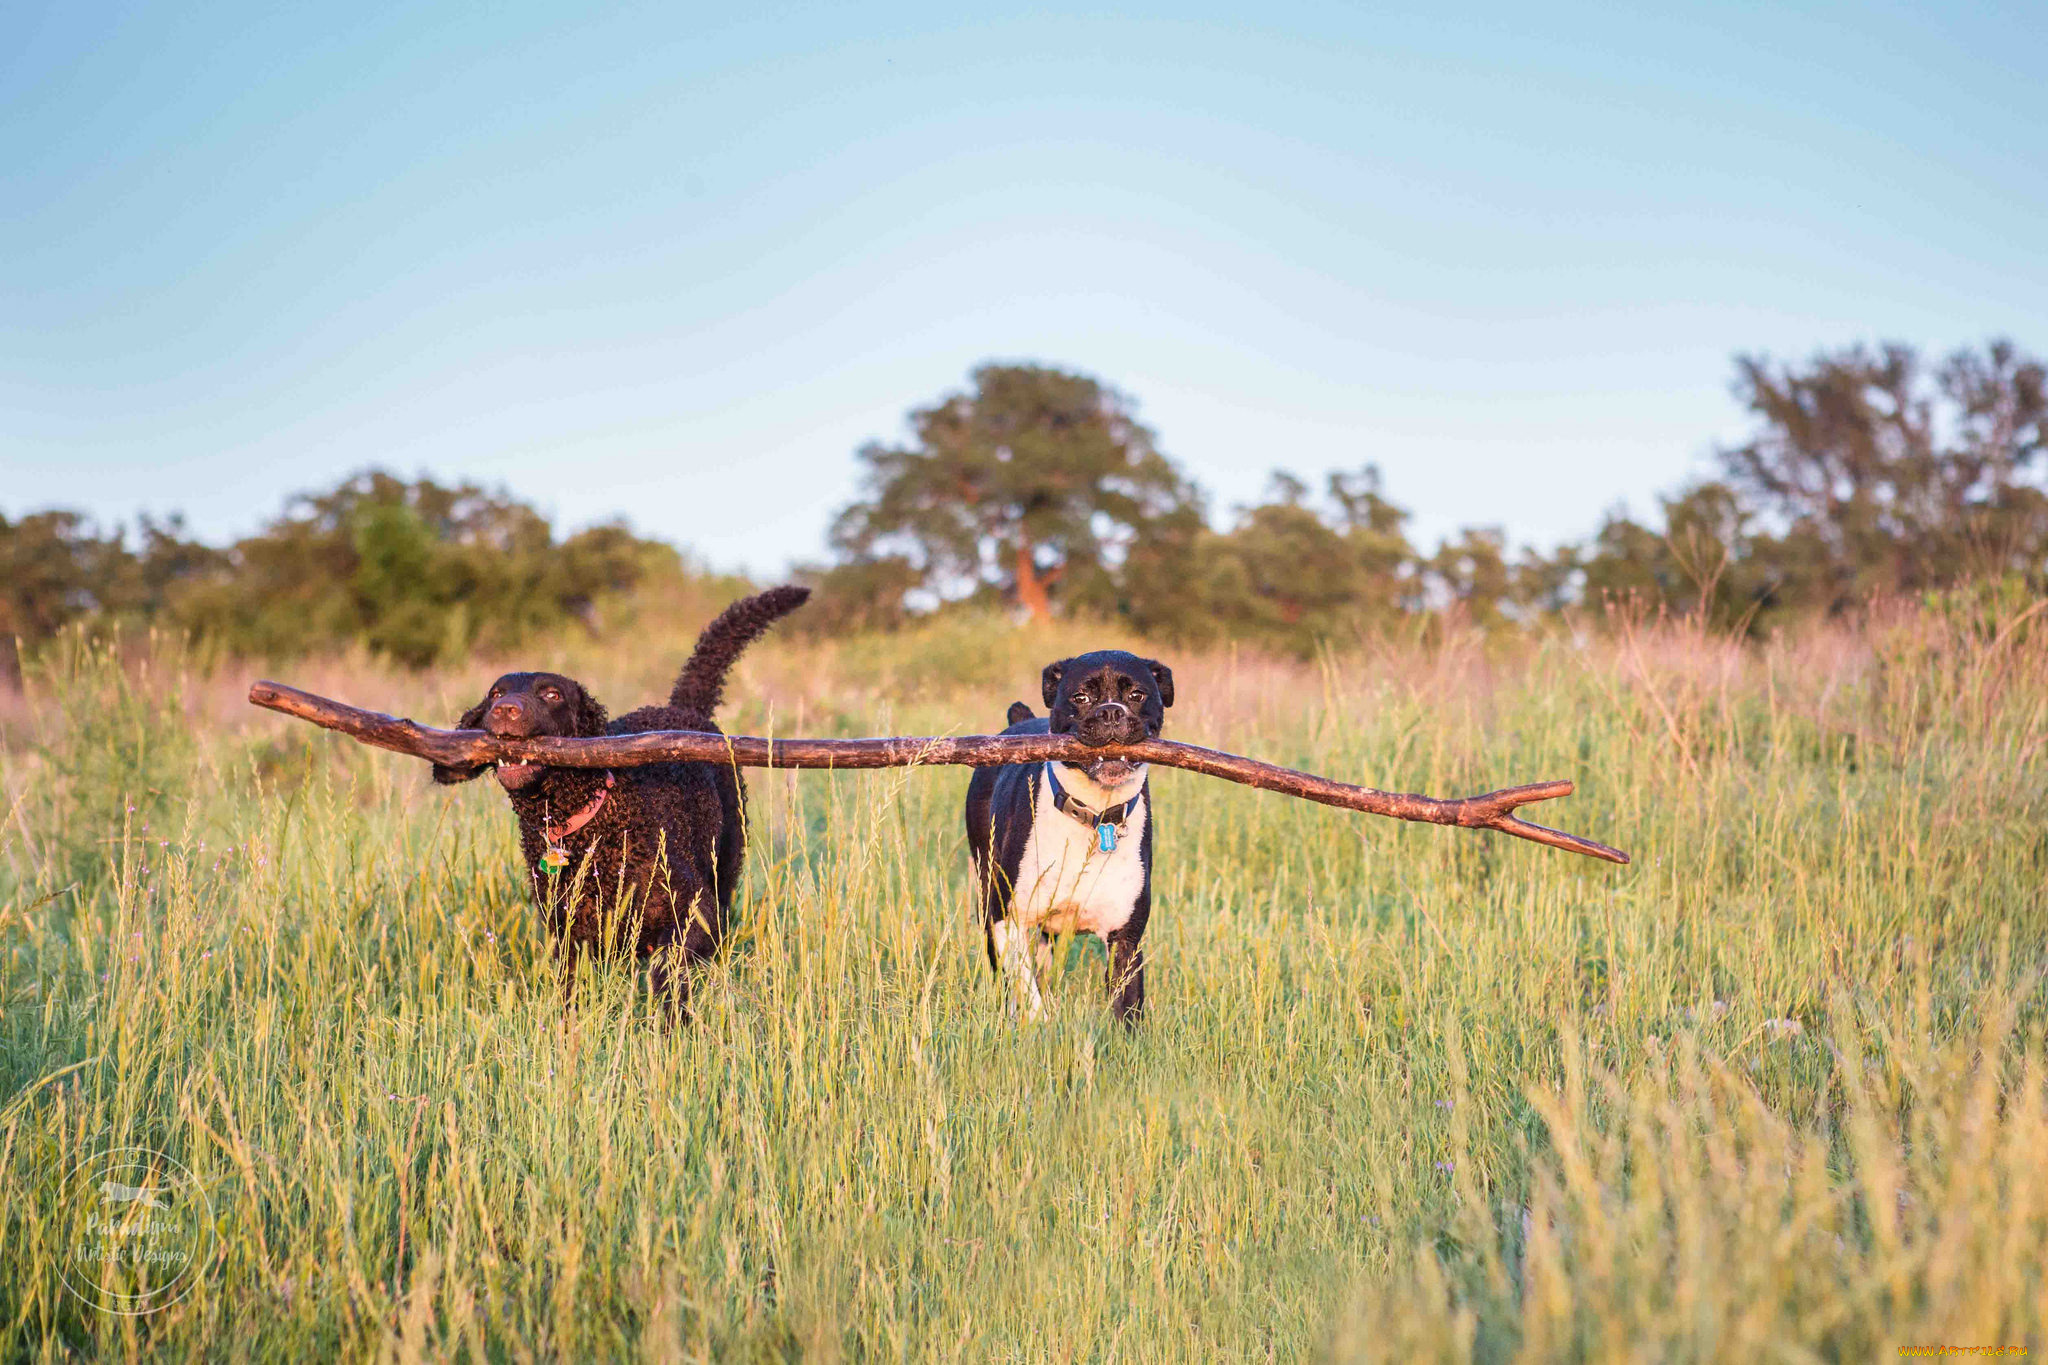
1700	562
1871	476
1472	572
57	567
417	571
1292	574
856	596
1035	480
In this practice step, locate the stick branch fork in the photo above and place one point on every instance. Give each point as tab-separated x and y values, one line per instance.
1493	810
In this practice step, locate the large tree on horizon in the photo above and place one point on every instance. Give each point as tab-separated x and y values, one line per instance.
1033	477
1873	473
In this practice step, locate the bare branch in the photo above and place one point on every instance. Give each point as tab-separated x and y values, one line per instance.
1493	810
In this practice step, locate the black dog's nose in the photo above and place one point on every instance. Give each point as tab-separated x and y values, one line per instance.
1109	723
510	717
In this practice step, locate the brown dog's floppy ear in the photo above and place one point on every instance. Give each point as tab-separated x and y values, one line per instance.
1164	677
590	716
1051	680
447	776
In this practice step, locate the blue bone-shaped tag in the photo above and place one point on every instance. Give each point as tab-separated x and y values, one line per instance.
1105	838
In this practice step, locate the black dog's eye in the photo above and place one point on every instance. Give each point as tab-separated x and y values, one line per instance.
551	694
1080	699
494	692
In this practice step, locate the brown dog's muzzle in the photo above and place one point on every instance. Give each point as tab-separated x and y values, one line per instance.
514	717
510	717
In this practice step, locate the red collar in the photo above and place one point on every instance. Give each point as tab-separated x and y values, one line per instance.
556	833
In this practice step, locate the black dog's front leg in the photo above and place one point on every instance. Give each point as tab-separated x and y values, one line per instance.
1126	977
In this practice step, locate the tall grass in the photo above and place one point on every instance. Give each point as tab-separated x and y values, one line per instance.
1778	1090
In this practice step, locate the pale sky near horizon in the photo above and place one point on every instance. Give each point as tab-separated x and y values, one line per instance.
676	263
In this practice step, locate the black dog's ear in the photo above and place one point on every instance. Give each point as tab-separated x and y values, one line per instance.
447	776
1164	677
1051	680
1019	712
590	716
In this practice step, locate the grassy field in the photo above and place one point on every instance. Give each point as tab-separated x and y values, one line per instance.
1778	1091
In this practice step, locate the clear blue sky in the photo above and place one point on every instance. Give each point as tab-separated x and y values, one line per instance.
678	262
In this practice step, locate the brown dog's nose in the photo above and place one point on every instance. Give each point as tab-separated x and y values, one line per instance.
511	717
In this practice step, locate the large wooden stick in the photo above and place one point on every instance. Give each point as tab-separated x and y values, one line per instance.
1494	810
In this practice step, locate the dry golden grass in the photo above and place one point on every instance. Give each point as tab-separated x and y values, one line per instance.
1777	1091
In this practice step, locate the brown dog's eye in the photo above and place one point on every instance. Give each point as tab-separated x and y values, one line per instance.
550	694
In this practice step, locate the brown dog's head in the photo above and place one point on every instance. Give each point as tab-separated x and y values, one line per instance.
524	706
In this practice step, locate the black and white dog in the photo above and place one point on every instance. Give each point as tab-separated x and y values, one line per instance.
1063	848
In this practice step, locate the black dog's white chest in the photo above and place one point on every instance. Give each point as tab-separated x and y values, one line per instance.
1066	879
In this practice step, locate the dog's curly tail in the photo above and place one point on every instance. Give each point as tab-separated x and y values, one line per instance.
701	685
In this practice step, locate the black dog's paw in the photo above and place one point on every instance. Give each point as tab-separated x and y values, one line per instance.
1019	712
448	776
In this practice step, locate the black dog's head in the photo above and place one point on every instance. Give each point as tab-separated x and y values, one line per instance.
1108	697
523	706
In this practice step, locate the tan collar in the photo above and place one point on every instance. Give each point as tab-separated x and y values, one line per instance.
556	833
